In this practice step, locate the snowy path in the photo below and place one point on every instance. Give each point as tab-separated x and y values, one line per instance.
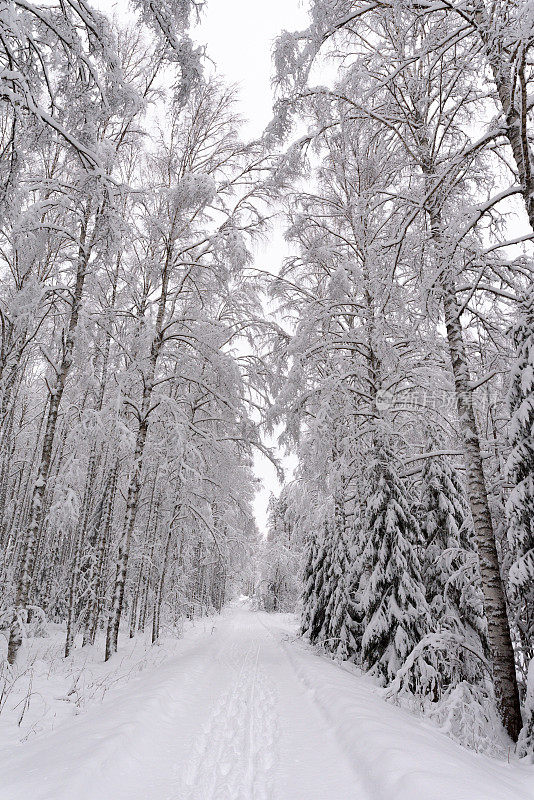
242	714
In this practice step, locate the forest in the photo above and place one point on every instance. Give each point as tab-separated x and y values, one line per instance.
149	357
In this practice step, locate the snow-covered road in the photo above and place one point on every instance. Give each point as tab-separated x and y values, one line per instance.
244	713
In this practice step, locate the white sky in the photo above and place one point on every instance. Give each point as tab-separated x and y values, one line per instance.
239	35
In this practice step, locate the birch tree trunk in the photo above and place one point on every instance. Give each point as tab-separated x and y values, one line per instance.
96	579
161	583
134	487
40	485
509	77
499	639
90	484
148	575
78	551
139	581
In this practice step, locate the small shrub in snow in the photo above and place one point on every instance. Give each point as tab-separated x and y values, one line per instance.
463	709
467	713
36	625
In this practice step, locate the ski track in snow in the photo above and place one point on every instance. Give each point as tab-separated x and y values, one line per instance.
243	714
234	755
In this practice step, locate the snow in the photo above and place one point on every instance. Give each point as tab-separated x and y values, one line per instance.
242	710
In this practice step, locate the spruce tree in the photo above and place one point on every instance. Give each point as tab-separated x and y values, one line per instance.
308	578
357	579
520	506
315	590
449	564
393	599
338	634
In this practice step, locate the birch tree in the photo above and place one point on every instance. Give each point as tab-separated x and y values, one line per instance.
198	213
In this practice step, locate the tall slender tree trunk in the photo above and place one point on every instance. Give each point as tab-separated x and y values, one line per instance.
139	581
23	497
134	487
89	486
499	639
132	502
163	574
40	485
97	573
7	447
78	552
510	81
150	566
55	465
135	598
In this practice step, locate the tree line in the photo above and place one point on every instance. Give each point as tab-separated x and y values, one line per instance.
127	385
405	372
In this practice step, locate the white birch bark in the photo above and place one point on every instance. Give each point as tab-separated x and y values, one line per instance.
40	485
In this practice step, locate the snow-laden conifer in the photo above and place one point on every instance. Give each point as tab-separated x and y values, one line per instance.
449	564
308	582
396	611
520	505
316	591
339	638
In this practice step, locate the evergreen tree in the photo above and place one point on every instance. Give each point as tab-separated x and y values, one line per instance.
308	582
337	629
520	506
356	580
449	565
316	591
396	611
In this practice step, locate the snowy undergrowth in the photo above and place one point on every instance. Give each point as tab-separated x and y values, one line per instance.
466	714
44	689
466	711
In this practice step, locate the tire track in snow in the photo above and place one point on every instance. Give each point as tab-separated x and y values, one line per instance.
235	753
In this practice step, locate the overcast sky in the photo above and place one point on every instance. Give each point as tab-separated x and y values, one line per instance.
239	35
